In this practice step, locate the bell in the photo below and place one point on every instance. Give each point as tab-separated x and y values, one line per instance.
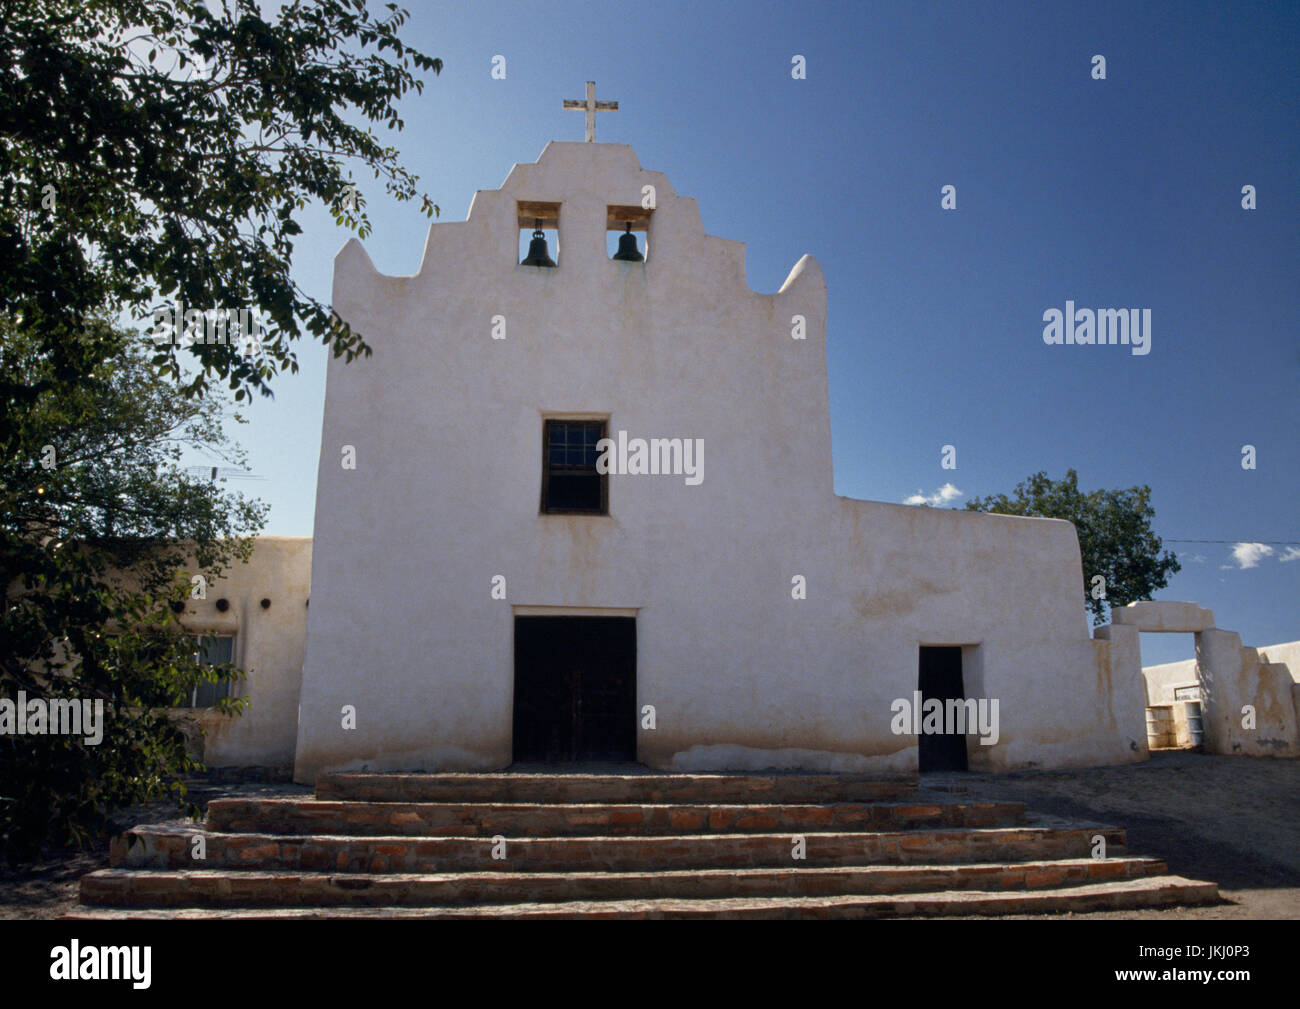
537	253
627	250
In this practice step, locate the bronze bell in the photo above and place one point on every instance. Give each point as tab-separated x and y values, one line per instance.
537	252
627	250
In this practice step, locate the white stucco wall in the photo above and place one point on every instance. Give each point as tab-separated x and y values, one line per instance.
1232	677
1235	678
1162	680
446	424
1287	653
268	645
1164	616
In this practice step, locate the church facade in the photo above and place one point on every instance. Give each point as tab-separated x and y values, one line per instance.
585	512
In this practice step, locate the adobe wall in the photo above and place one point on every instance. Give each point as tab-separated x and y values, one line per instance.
446	426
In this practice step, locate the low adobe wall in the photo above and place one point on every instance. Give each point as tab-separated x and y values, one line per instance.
1249	696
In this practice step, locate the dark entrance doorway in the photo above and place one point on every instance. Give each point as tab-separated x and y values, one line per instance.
940	678
575	689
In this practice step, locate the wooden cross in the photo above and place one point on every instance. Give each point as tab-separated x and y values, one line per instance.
590	106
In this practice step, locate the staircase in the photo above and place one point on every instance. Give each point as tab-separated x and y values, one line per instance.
637	845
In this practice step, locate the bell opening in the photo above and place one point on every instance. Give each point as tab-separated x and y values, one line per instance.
628	242
539	244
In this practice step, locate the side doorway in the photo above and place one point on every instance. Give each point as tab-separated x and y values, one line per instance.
940	677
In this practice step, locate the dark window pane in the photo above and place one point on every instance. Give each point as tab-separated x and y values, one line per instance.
571	481
211	651
215	650
575	492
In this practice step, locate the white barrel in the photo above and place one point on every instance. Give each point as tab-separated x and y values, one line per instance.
1161	733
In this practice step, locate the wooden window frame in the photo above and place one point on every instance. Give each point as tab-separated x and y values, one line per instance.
546	467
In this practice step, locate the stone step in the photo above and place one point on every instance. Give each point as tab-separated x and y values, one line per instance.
632	787
243	888
165	847
1123	894
426	819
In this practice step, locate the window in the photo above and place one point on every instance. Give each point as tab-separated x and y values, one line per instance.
570	483
212	650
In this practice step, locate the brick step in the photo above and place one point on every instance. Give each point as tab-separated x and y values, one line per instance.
1124	894
426	819
768	789
164	847
242	888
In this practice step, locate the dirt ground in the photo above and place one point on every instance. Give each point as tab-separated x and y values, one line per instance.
47	888
1232	820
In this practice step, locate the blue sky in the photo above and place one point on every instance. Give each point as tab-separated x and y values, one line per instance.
1115	193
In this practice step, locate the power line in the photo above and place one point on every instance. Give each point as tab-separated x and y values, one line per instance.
1271	543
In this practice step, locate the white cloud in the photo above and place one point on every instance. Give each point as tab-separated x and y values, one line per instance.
1192	558
1291	554
942	496
1248	555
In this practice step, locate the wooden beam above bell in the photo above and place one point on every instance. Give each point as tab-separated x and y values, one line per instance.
617	218
529	211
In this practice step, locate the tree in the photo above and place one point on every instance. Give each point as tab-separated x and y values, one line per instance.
100	532
153	154
1116	540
